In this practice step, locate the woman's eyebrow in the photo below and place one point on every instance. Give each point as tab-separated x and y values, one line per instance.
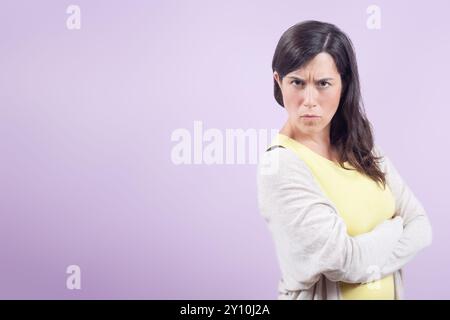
322	79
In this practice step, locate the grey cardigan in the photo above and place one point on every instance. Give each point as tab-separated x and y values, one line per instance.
313	248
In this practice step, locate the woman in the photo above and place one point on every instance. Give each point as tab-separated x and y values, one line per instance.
343	220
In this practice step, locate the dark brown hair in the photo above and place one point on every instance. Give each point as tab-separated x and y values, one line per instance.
350	131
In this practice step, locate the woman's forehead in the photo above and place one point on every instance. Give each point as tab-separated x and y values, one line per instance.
322	65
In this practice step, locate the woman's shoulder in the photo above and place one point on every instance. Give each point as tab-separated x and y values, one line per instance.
377	150
284	176
382	159
278	162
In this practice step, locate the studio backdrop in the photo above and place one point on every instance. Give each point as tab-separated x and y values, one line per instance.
130	133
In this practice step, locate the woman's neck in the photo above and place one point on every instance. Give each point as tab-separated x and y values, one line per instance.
319	143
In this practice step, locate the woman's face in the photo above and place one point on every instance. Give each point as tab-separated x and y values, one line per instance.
313	89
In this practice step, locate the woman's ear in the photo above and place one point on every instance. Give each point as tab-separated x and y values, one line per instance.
276	76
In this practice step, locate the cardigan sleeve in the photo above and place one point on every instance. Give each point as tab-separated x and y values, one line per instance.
310	236
417	232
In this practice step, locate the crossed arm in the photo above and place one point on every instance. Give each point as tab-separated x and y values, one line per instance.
311	238
417	232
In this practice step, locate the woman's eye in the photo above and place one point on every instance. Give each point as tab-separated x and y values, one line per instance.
324	84
296	82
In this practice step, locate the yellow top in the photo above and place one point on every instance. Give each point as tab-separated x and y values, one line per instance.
360	201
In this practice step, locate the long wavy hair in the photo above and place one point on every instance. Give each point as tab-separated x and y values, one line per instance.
350	131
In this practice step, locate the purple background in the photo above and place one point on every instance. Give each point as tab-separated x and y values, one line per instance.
86	118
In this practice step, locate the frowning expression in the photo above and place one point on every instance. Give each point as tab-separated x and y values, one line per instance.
314	89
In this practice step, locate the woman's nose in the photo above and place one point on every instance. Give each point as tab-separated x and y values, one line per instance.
310	96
